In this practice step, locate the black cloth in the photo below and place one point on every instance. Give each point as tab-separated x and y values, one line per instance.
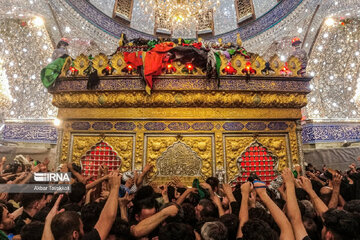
198	57
307	238
356	186
235	208
19	221
92	235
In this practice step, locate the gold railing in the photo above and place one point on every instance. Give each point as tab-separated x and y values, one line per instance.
238	65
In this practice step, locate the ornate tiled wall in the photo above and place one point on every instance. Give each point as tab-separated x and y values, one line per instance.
330	132
30	132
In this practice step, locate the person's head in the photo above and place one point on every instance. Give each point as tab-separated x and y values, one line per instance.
120	229
309	209
143	193
213	182
176	231
339	225
77	194
90	213
353	206
67	226
33	201
144	208
325	194
260	213
311	228
301	194
32	231
214	231
189	214
256	229
231	222
204	209
7	220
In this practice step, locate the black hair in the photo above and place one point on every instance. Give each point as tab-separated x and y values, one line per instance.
78	191
301	194
189	214
147	203
231	221
209	209
176	231
64	224
143	193
27	199
260	213
121	229
32	231
341	224
256	229
353	206
213	182
90	214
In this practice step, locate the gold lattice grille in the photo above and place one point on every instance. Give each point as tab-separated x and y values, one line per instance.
123	9
205	21
244	10
100	153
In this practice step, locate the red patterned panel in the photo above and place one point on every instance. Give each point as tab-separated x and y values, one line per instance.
100	153
256	159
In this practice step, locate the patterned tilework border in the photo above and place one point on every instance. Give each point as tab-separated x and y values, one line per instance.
181	126
107	24
312	133
317	133
189	83
30	132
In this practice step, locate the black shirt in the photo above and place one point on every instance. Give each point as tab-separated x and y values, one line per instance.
19	221
92	235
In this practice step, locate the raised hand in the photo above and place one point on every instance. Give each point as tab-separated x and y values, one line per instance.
336	181
55	209
305	184
288	176
247	187
115	180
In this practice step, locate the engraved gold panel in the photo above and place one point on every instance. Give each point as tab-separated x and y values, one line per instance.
81	63
118	63
66	67
180	99
121	144
294	65
258	64
276	64
100	62
235	145
157	145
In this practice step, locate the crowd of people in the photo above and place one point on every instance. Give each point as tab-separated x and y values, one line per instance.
305	204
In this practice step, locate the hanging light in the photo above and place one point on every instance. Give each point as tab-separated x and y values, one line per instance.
178	14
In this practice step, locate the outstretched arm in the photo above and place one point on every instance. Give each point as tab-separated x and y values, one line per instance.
108	214
141	177
246	188
292	207
147	225
47	234
278	215
319	205
334	200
